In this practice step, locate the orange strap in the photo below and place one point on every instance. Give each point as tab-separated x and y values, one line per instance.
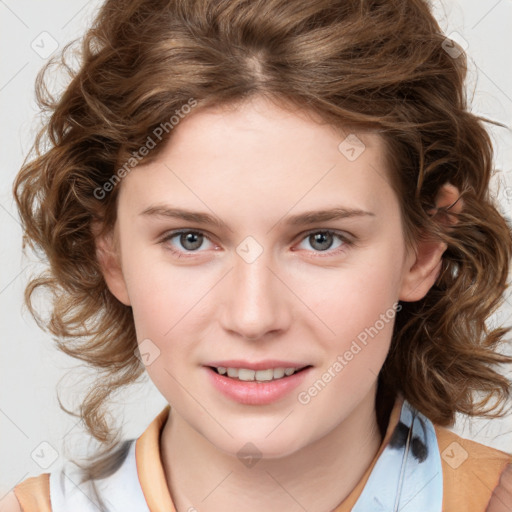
471	472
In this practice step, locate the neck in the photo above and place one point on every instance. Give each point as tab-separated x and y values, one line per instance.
319	476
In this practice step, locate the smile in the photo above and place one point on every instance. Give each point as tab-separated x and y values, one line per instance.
245	387
247	374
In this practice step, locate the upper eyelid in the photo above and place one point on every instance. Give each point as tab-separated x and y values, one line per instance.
171	234
342	234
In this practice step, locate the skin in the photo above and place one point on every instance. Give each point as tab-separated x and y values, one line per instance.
253	167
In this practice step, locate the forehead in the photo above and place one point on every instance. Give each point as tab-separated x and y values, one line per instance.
261	126
259	156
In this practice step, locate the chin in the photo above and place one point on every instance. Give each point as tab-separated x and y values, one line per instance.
260	447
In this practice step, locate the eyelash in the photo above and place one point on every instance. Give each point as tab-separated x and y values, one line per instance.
346	242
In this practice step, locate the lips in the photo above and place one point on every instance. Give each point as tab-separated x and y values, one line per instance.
252	392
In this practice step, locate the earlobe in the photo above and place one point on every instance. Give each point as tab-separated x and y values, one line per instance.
108	258
424	265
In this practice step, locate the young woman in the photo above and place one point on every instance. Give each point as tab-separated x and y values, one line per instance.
280	210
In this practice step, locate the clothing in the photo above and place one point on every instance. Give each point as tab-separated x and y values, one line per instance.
418	467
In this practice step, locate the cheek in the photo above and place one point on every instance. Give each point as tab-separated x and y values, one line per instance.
163	296
360	310
358	307
356	296
166	305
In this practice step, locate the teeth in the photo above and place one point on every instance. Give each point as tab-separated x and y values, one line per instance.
260	375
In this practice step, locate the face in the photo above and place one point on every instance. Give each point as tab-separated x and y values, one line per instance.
262	282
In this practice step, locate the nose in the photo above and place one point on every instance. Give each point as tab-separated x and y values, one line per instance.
257	301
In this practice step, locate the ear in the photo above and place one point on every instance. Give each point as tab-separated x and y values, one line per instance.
425	261
108	255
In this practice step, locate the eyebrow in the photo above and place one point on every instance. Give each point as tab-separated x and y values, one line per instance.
309	217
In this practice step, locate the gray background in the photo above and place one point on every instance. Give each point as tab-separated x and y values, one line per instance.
33	428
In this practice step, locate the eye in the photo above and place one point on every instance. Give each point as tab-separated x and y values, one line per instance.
190	241
322	241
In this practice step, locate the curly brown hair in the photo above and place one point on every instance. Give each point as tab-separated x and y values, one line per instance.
378	64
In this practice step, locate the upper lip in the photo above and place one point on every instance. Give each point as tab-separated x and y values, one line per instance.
259	365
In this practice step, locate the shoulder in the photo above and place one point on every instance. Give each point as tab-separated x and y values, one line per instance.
501	499
31	495
472	472
9	503
70	488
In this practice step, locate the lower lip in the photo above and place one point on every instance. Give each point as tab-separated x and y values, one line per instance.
256	393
